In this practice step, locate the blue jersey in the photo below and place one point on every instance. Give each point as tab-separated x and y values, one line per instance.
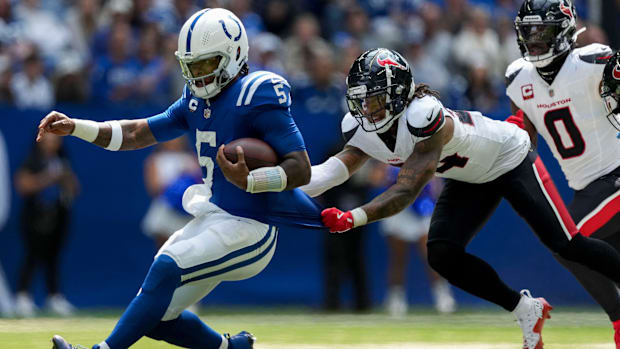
256	105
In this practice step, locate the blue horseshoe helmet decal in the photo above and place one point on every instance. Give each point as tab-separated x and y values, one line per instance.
226	30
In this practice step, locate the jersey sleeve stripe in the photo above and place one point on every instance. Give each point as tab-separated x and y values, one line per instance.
349	134
596	58
430	129
191	30
245	86
258	82
510	78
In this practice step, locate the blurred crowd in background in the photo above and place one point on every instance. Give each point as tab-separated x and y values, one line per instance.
119	51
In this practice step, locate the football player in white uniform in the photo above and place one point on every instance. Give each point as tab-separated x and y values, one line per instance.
557	89
483	161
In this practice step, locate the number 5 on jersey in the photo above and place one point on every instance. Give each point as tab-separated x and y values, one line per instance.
204	141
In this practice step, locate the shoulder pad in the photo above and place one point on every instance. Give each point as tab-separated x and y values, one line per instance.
264	88
594	53
425	116
513	70
349	126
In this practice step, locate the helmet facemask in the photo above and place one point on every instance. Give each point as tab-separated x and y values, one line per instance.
206	75
370	110
542	42
611	97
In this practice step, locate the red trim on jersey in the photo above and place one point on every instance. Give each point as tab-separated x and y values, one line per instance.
552	192
601	217
439	119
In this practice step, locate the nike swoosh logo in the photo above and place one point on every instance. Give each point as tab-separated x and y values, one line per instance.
339	215
429	117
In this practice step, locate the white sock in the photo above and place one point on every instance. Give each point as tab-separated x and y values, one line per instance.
104	345
224	344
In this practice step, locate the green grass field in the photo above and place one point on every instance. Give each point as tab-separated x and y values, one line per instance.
307	329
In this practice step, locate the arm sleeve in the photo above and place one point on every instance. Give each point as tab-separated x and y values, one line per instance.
325	176
276	126
170	124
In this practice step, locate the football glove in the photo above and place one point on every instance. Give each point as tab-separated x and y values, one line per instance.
336	220
517	119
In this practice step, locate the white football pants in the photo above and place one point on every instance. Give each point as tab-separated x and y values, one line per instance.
216	247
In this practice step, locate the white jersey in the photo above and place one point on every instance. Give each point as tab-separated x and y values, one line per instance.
480	150
569	113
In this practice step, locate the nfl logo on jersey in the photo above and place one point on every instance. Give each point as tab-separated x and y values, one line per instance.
207	113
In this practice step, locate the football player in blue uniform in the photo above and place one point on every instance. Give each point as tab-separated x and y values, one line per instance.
237	211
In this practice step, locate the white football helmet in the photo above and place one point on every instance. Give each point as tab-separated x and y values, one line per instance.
205	36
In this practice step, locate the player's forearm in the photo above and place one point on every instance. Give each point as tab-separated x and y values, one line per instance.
297	169
398	196
115	135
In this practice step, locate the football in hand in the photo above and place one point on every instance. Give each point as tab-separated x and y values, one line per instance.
257	153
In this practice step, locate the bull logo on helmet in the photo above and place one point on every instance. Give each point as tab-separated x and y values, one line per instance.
616	72
388	61
566	10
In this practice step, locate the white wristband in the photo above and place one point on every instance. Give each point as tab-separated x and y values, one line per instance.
85	129
266	179
359	217
117	136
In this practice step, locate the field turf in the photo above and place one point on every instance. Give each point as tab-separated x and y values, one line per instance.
307	329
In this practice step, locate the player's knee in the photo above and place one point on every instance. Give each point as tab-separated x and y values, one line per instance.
164	271
572	250
443	255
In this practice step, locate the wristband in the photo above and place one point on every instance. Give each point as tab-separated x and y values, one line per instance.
266	179
85	129
117	136
359	217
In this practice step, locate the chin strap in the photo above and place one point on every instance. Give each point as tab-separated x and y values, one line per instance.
578	32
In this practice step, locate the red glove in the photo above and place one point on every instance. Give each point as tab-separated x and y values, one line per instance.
517	119
336	220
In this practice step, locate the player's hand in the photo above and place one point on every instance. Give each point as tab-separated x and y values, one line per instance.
336	220
56	123
236	173
517	119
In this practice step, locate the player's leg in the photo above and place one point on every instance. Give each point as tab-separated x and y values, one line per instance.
460	212
397	230
596	210
195	259
398	255
24	304
440	288
531	192
230	249
356	268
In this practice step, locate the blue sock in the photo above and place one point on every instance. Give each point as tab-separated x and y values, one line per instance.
187	331
147	309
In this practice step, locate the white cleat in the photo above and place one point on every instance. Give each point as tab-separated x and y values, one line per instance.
24	306
59	305
444	301
396	302
531	314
